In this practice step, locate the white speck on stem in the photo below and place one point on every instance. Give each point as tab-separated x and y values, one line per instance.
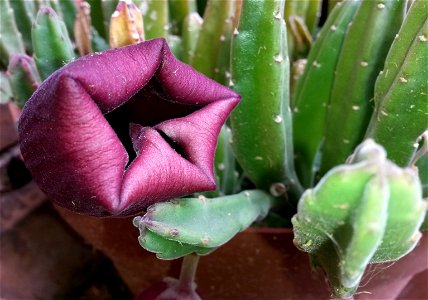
202	198
277	15
153	15
258	158
384	113
316	64
341	206
222	38
278	58
403	80
373	226
422	38
277	189
345	141
205	240
364	64
278	119
333	28
381	6
221	166
355	107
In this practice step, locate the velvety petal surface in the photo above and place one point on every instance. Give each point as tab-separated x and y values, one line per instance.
111	133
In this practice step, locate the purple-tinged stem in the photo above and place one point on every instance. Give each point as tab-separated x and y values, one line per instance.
187	273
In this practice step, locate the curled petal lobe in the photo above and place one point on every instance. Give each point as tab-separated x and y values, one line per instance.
111	133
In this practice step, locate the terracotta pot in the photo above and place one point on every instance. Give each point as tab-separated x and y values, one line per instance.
9	115
256	264
18	195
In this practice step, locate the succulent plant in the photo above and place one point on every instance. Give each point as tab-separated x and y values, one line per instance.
345	229
328	136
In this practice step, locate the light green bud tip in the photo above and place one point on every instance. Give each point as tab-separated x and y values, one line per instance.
368	210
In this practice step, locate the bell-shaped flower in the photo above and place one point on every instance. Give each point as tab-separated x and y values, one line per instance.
114	132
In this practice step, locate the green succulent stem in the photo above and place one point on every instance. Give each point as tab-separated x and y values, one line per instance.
261	124
156	19
311	98
361	58
396	124
212	33
199	225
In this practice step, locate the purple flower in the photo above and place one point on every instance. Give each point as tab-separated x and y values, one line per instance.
111	133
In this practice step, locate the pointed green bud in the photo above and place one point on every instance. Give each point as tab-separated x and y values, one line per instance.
23	76
51	43
11	39
24	12
366	211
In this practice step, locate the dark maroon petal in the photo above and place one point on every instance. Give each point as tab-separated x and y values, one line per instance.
159	172
71	150
112	77
111	133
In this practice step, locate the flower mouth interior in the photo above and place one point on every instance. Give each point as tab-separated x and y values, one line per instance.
148	107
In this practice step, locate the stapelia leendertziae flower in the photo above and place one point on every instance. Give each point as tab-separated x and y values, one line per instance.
111	133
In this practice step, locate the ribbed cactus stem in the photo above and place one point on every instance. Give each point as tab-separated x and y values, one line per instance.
361	58
24	12
156	23
396	124
23	76
179	10
11	39
51	42
261	124
192	25
207	51
310	100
